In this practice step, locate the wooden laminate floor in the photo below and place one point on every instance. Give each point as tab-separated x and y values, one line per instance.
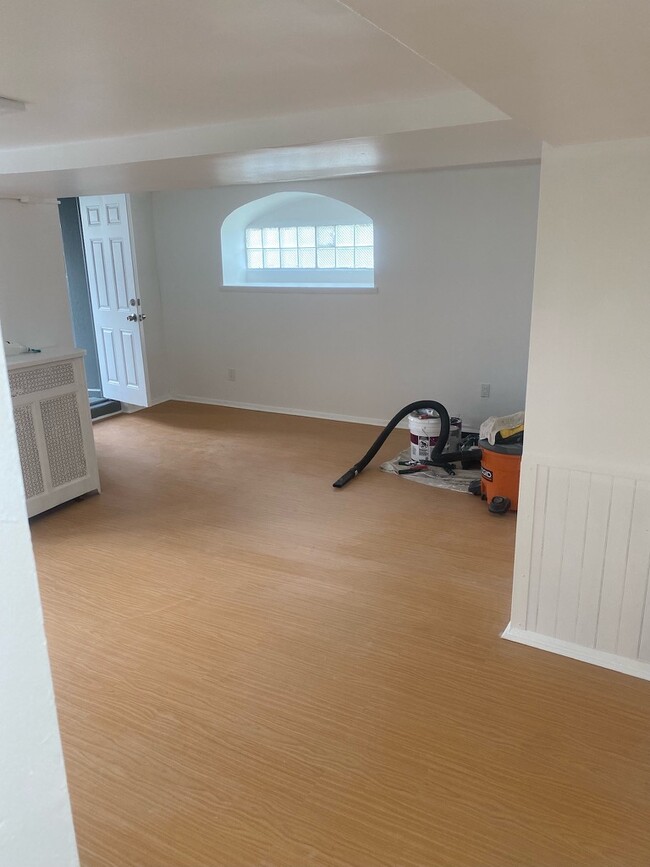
255	669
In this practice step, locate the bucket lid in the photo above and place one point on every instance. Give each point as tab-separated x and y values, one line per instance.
512	449
424	414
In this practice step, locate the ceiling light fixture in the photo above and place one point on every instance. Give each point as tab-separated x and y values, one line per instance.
9	105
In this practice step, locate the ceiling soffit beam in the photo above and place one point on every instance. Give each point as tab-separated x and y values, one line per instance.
462	145
445	109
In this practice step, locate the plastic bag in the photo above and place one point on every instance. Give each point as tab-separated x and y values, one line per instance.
491	426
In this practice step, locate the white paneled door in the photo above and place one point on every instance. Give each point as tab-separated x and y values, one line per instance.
114	297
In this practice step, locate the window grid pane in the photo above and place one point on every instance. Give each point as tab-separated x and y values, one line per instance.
306	236
345	236
288	258
309	247
363	235
270	238
345	257
254	259
288	237
253	237
325	257
307	257
363	257
325	236
271	258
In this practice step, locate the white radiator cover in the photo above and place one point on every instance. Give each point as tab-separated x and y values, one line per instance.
582	564
53	427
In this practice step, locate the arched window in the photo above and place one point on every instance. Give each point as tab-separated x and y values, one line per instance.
298	240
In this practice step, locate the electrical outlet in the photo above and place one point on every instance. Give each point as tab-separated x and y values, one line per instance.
231	374
485	389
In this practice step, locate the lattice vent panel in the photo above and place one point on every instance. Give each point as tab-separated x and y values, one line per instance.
28	450
34	379
63	439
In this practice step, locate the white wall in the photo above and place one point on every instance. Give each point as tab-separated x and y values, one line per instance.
34	305
147	270
583	535
35	820
453	268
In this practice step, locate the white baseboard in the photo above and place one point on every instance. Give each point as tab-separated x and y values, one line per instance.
132	407
283	410
108	415
622	664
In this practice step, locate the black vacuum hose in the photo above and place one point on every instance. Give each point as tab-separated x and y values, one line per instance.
354	471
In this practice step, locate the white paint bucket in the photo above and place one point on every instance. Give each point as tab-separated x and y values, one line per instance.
424	427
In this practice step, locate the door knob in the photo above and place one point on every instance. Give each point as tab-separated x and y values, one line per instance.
132	317
142	316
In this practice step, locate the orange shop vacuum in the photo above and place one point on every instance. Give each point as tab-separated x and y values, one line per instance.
499	483
500	467
500	463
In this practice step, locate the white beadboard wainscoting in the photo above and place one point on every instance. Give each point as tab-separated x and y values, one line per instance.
582	564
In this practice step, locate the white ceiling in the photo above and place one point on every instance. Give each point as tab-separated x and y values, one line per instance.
97	68
569	70
169	92
152	94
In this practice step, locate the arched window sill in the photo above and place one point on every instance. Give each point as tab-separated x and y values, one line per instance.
305	288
